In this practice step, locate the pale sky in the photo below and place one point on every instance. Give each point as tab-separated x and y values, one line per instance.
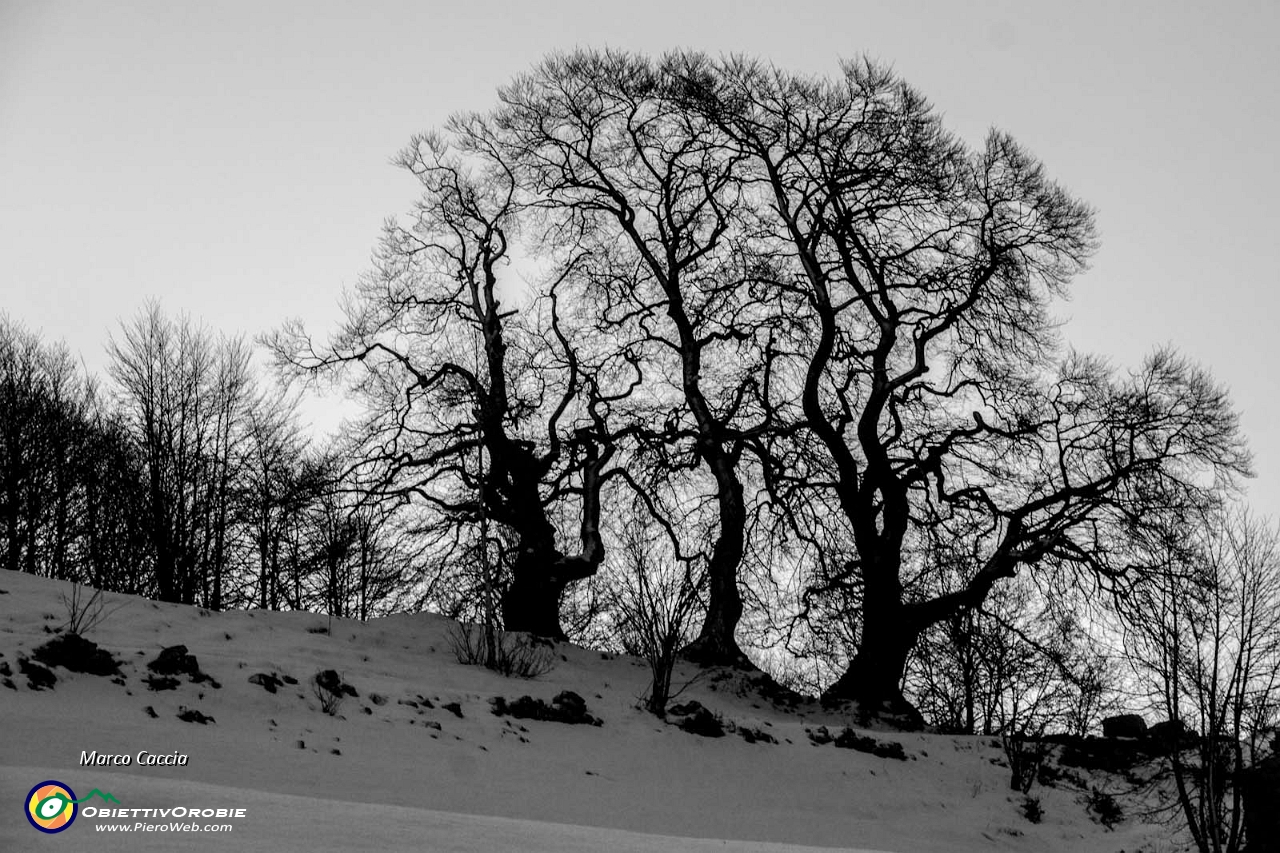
232	158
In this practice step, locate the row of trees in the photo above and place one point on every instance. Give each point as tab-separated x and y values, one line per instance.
180	479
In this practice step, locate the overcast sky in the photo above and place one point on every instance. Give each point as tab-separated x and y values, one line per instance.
232	158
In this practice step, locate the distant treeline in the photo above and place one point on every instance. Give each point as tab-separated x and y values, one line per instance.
183	477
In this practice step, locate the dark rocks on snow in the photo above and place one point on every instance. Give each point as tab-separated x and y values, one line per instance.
751	735
191	715
76	654
174	660
849	739
819	736
567	707
696	719
268	681
330	681
38	678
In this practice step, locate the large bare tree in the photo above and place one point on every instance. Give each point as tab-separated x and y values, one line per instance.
477	416
648	193
922	274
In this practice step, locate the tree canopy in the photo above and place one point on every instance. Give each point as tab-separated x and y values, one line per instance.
793	321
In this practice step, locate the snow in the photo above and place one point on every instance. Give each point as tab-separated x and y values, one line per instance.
396	782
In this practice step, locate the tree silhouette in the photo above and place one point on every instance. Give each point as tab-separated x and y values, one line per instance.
921	275
474	414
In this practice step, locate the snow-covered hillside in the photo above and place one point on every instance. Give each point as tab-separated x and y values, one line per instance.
395	769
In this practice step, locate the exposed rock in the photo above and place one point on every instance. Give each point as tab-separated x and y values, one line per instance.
330	681
1171	734
267	681
567	707
1124	725
820	736
174	660
849	739
76	654
697	720
751	735
38	678
160	682
191	715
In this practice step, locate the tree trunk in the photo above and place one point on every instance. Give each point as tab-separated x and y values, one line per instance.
717	644
532	604
874	677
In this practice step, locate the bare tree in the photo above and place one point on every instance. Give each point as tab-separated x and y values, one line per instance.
1023	660
68	483
920	274
1204	635
185	396
648	194
473	415
42	413
653	597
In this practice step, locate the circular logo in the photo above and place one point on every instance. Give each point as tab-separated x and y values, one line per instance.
51	806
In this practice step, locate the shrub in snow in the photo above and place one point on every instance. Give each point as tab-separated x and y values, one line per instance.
508	653
655	600
85	610
1026	754
1104	808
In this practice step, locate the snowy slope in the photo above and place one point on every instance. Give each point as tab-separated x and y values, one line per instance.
387	775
